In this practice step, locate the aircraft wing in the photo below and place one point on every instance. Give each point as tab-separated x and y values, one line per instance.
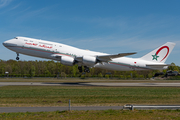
106	58
102	58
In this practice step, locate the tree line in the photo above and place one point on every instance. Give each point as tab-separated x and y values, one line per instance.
13	68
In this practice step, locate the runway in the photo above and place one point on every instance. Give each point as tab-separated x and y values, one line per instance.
48	109
112	84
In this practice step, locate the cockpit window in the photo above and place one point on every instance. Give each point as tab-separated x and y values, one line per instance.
15	38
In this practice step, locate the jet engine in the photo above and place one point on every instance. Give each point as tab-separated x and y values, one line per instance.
89	60
65	60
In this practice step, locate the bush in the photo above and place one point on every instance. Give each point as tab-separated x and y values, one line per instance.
107	76
121	76
82	76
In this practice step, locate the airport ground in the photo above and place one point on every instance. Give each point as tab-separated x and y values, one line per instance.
18	92
58	94
96	115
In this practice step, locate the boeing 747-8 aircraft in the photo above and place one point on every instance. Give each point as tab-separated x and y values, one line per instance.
69	55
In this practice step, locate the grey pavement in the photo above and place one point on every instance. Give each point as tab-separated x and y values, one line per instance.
160	107
43	109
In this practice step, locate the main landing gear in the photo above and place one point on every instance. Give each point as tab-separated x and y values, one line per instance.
17	58
80	69
86	69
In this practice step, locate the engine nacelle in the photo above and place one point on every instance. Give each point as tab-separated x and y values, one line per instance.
65	60
89	60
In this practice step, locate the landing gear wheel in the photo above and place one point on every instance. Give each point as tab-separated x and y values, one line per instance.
17	58
86	69
80	69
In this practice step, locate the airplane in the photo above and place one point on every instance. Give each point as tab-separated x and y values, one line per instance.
68	55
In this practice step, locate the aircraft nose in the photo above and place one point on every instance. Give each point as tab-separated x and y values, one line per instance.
5	43
9	43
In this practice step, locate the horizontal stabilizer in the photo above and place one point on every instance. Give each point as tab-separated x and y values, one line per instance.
106	58
157	66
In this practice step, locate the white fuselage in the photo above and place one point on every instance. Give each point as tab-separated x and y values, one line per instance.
46	49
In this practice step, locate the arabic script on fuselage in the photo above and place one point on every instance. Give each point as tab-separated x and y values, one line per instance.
40	45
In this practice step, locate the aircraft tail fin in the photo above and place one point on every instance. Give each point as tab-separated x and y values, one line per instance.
160	54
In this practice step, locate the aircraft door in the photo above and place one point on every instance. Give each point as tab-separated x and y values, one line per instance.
55	48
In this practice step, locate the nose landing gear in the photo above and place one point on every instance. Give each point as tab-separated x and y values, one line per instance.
17	58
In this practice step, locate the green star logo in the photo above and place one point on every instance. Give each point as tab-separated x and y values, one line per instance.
155	57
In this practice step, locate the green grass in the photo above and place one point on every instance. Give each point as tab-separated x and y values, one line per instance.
85	96
94	115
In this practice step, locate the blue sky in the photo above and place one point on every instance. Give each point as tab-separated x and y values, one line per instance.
110	26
